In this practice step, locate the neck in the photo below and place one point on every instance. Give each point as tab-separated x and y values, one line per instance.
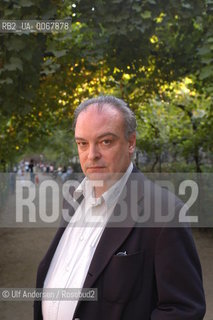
98	191
107	184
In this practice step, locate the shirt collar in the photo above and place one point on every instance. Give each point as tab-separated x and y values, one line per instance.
109	197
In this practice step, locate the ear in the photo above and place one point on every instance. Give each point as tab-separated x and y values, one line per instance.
132	142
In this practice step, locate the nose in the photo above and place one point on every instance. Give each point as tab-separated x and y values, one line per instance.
93	153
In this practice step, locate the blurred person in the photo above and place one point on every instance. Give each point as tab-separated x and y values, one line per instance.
31	170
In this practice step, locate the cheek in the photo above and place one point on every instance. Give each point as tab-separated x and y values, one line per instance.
114	157
82	157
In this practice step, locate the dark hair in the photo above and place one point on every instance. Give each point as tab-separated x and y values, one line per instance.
118	104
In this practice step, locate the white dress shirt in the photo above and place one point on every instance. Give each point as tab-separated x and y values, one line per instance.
72	258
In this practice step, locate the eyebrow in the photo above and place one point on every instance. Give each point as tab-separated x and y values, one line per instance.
99	137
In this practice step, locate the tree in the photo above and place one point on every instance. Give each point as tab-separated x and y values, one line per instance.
133	49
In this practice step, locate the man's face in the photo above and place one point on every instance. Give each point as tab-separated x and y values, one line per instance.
104	151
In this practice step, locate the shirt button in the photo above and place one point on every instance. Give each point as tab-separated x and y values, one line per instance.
81	238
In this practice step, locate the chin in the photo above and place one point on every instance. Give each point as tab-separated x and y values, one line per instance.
98	176
106	177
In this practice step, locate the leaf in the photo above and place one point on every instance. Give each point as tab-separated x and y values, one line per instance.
8	12
136	7
146	14
210	40
60	53
6	81
15	63
51	69
26	3
206	72
207	60
186	5
15	44
204	50
209	90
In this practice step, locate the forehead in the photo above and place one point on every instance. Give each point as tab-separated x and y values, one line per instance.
96	121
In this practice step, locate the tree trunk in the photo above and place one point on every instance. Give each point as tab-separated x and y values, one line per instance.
155	163
197	160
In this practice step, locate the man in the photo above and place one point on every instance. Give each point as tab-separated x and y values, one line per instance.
31	170
141	271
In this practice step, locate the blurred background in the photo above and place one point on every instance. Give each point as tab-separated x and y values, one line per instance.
156	55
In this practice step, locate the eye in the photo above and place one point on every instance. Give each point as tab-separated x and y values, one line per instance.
82	144
106	142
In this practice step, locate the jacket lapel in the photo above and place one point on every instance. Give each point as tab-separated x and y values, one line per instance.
115	234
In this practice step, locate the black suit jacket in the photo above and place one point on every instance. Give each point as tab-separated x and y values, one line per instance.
159	278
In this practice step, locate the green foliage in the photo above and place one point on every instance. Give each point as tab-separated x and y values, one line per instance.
20	57
205	52
178	124
60	147
157	55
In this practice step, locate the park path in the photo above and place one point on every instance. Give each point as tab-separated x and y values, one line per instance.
23	248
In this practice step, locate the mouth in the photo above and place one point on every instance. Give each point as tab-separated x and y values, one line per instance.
95	168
